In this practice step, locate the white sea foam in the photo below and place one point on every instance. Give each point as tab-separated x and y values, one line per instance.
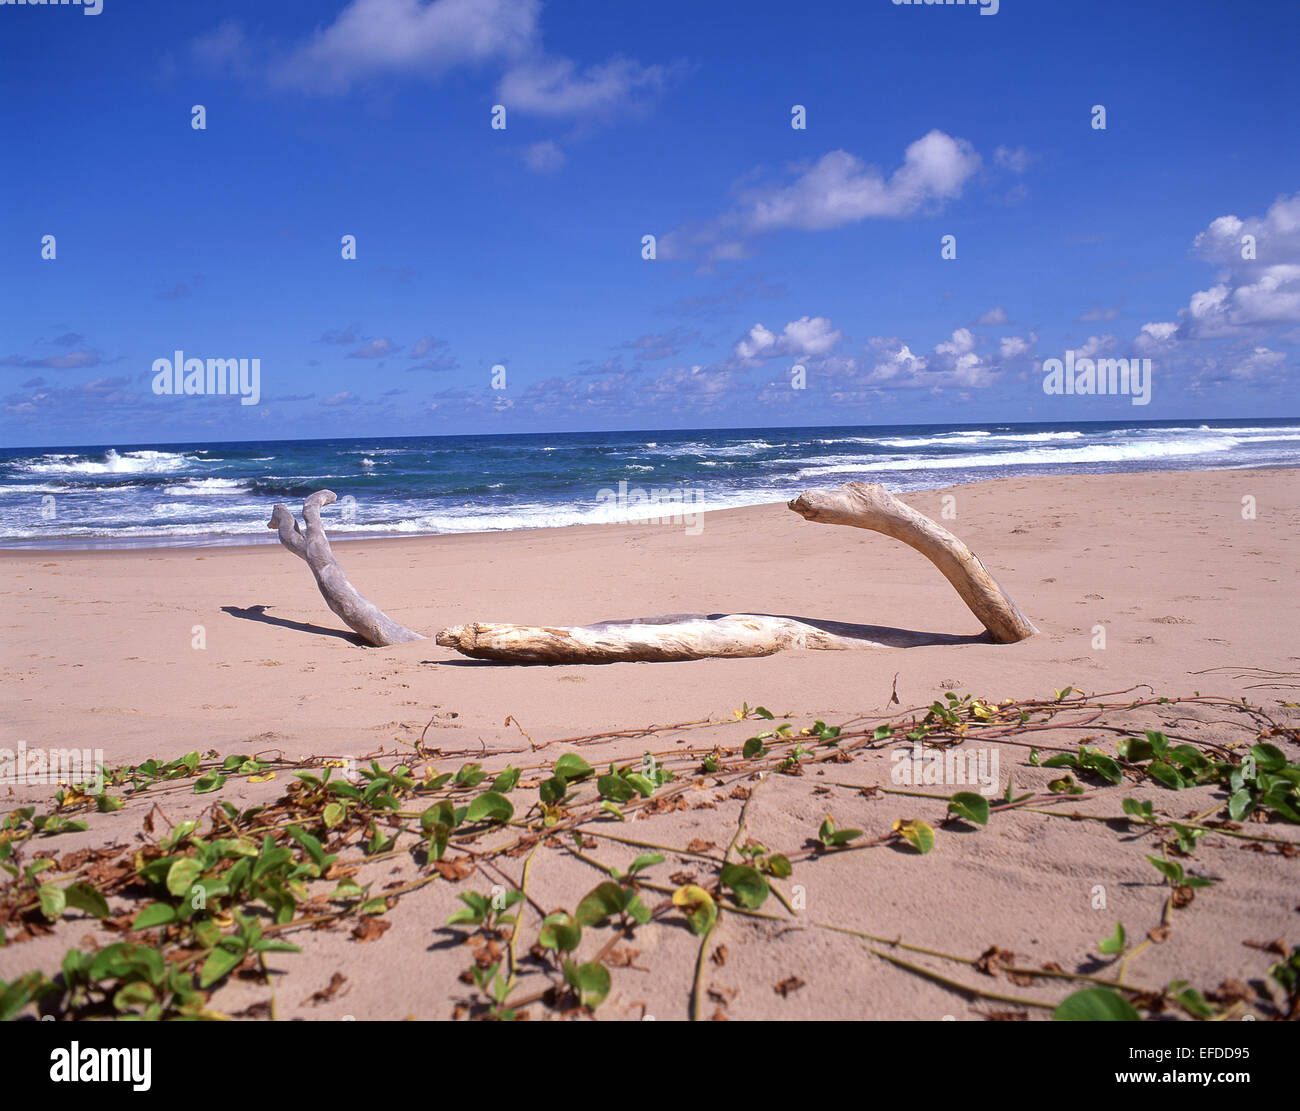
130	462
207	486
1092	453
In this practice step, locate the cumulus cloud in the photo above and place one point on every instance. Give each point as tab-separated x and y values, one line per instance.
1015	347
371	37
995	315
807	336
836	190
841	189
953	363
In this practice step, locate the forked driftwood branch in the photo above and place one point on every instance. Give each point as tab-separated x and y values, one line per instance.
358	612
700	636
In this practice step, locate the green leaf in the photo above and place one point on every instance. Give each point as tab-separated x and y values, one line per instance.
779	865
136	994
1239	805
155	914
746	883
1115	943
615	787
832	837
53	901
572	766
333	814
310	843
1104	766
970	806
1268	758
1165	773
600	903
490	807
701	912
553	790
1134	750
85	897
917	833
645	860
560	931
1142	811
220	963
1095	1005
590	981
753	748
641	783
470	775
182	874
1193	1002
1170	869
505	782
212	781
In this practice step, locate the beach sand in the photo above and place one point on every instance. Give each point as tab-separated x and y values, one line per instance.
98	651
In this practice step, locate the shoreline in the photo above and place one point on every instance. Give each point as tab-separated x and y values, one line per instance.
164	542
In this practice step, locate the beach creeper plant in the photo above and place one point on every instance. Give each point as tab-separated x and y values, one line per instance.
215	895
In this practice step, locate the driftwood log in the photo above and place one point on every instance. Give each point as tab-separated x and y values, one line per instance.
358	612
700	636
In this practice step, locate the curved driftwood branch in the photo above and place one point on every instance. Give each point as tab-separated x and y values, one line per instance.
700	636
360	614
871	506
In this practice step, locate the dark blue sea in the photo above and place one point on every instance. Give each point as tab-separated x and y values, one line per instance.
109	495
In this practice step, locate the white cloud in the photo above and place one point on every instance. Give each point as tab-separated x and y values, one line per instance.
838	189
1277	235
995	315
410	36
952	364
555	87
1260	363
1015	159
1013	347
1094	346
841	189
544	158
807	336
1156	338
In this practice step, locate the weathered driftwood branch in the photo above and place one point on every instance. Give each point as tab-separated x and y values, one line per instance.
699	636
871	506
360	614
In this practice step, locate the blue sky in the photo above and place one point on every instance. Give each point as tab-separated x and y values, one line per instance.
776	247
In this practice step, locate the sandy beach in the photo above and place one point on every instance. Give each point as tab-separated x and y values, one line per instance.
151	653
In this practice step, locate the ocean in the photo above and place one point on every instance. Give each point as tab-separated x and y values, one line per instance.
164	495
